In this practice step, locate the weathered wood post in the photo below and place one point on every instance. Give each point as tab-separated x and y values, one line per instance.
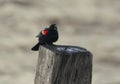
63	65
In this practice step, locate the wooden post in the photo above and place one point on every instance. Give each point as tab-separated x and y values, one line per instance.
63	65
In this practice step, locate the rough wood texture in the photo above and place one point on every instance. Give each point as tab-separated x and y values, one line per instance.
63	65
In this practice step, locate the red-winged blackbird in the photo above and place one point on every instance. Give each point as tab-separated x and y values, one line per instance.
47	36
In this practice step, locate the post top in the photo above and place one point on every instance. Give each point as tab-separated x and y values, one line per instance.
70	49
66	49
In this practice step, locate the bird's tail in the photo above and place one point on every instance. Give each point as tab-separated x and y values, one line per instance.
36	47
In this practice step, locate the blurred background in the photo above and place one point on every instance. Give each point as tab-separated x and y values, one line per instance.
92	24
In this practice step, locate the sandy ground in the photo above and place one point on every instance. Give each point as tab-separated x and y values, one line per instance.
91	24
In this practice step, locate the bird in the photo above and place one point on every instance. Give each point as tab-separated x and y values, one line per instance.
46	36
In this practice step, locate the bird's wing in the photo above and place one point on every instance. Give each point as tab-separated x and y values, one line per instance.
43	33
39	35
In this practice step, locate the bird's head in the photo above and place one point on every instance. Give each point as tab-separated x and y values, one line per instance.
53	27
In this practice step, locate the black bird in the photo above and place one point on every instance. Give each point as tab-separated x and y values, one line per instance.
47	36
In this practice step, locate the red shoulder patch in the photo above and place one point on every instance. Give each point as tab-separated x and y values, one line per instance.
44	32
